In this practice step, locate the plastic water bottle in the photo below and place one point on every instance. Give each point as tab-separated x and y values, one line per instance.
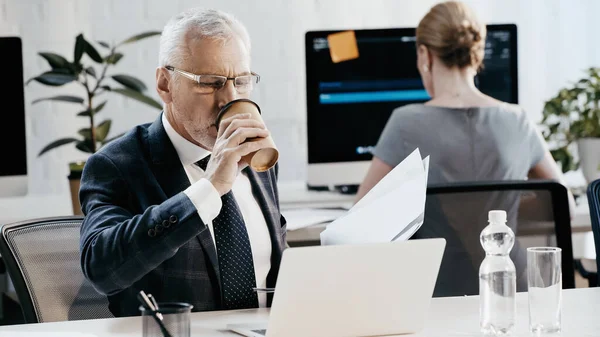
497	278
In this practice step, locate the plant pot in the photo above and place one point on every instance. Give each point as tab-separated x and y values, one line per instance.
589	158
76	169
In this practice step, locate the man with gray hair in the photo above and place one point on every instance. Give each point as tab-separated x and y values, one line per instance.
170	208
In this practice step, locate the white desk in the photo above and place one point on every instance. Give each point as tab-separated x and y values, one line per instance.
458	316
295	195
32	206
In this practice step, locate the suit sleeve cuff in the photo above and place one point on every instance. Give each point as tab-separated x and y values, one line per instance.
205	198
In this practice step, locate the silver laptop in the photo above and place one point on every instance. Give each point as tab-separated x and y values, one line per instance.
352	290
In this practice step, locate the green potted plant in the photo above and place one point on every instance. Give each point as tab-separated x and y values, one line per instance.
572	118
95	82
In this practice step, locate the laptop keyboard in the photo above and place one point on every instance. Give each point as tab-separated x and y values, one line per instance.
261	332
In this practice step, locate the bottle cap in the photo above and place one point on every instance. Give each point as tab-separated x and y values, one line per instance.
497	216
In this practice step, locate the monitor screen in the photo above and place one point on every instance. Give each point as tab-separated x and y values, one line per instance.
13	170
349	102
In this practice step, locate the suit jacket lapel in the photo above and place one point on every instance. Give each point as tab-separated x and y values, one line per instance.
167	167
172	178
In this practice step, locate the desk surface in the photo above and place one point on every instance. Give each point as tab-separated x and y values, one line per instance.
295	195
457	316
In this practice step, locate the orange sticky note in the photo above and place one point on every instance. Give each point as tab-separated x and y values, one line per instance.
342	46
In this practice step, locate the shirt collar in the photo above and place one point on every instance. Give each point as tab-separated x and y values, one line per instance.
187	151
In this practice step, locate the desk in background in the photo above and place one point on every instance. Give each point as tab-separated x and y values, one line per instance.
294	196
450	316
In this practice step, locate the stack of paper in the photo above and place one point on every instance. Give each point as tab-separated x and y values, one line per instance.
393	209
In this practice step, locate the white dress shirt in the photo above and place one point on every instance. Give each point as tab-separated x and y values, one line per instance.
208	203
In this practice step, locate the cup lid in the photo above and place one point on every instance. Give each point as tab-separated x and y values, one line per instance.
497	216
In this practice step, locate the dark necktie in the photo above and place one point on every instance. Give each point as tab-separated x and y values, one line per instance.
234	254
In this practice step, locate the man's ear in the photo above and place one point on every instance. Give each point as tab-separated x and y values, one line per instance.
163	84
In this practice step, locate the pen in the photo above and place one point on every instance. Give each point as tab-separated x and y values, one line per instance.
153	301
148	305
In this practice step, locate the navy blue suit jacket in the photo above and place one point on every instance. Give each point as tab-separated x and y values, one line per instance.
141	232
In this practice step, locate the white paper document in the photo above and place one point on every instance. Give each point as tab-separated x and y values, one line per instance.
306	217
392	210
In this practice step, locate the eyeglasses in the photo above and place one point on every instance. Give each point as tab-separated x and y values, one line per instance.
207	84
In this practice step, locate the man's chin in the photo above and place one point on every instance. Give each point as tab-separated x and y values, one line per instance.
208	139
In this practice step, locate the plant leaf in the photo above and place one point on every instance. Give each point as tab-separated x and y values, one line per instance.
94	111
63	98
113	58
139	37
79	48
92	52
90	70
138	96
106	87
102	130
85	133
53	78
104	44
75	68
570	115
85	146
57	143
130	82
55	61
85	113
100	106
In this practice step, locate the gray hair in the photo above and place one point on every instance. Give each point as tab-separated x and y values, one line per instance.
204	23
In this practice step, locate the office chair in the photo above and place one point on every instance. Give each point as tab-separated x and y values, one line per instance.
593	196
458	212
42	258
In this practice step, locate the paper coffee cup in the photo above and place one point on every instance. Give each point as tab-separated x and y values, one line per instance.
260	160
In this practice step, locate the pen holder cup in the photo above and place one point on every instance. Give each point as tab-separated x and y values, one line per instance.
176	320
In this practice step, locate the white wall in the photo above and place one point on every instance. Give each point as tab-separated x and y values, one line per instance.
557	40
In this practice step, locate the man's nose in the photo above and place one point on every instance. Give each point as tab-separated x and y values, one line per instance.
226	94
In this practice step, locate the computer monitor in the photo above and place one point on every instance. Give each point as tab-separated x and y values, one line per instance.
13	146
349	102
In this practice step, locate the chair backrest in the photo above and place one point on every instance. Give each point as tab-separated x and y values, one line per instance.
458	212
42	259
593	196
